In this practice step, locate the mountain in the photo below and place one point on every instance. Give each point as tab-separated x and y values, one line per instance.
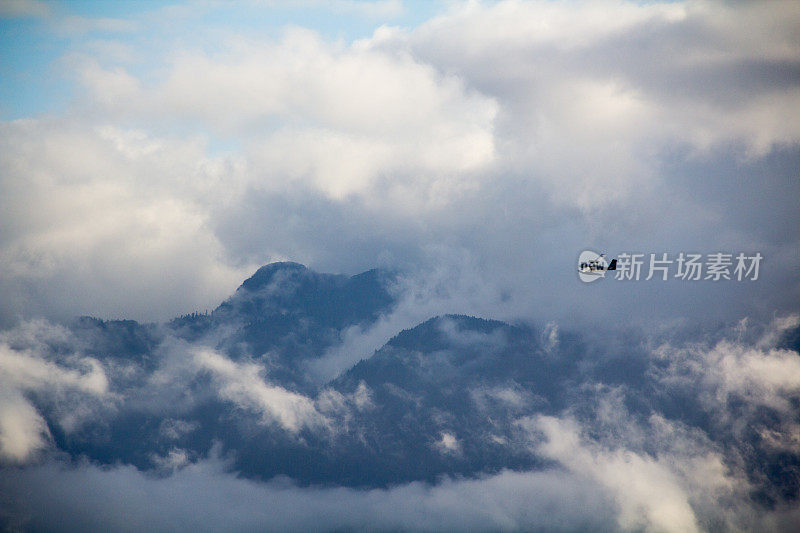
453	396
286	314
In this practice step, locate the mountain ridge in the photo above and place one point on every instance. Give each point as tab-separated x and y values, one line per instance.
451	396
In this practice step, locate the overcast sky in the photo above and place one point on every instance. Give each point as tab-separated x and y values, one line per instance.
153	155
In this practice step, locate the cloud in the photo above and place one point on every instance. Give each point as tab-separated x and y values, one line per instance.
480	151
664	476
204	497
447	444
622	463
667	468
509	396
69	381
583	107
650	494
25	370
23	431
507	136
345	115
242	384
174	459
332	402
728	371
95	208
456	287
707	49
173	429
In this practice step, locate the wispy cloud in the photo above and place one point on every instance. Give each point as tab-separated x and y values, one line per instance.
242	384
23	430
204	497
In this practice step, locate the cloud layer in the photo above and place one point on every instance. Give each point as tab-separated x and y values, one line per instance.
620	455
511	134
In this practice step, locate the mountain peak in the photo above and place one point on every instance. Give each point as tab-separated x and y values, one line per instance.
264	275
434	331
